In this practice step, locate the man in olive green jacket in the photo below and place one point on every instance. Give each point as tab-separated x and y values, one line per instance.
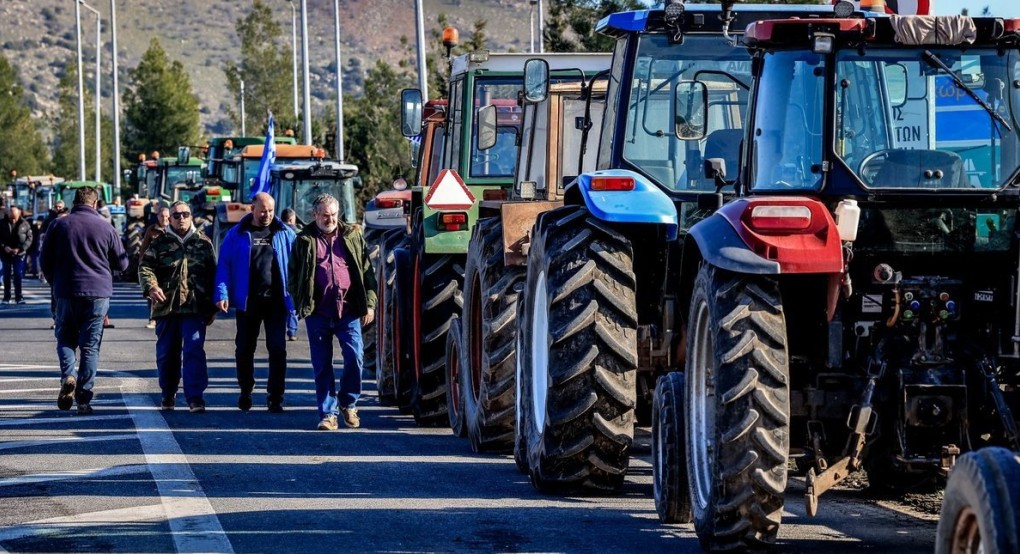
332	283
177	273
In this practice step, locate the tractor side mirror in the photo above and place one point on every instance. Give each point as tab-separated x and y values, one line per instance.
689	107
486	127
536	80
410	112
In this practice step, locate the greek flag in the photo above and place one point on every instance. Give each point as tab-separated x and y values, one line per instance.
261	183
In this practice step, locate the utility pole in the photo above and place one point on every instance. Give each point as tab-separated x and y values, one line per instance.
339	85
116	101
541	29
99	50
81	95
307	124
293	56
423	79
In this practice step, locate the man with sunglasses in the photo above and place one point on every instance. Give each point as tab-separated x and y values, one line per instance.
79	257
177	273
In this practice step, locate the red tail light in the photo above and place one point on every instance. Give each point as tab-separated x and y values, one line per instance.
383	203
453	221
612	183
780	218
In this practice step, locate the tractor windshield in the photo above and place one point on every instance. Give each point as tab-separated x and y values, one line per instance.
300	195
928	117
649	143
499	160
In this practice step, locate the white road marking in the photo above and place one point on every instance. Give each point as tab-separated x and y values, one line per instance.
79	475
137	514
13	391
48	420
192	519
11	445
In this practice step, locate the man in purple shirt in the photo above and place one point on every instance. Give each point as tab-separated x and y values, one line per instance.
333	287
79	257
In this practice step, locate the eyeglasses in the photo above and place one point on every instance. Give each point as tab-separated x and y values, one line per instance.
181	215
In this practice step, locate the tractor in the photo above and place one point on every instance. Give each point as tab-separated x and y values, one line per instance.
430	262
856	304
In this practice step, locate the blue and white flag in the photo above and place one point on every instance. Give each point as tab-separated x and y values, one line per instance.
261	183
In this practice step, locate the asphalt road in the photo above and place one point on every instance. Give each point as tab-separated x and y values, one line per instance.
131	478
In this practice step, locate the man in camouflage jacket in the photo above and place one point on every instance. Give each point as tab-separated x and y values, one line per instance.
177	273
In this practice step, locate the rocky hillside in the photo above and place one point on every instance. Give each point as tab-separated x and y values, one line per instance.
38	37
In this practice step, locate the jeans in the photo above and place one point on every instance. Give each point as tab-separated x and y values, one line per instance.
180	341
79	326
292	324
321	331
249	322
14	266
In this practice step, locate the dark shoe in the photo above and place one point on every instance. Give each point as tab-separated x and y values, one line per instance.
275	406
244	402
66	397
351	418
22	301
168	402
196	406
328	423
85	409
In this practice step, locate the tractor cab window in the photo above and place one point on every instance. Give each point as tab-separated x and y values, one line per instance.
300	194
923	118
649	143
499	160
788	122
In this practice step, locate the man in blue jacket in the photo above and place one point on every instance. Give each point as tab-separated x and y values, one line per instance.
79	257
251	276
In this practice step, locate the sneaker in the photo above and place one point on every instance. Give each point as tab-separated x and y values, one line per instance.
22	301
196	406
244	402
328	423
66	397
168	402
275	406
151	324
8	301
351	418
292	338
85	409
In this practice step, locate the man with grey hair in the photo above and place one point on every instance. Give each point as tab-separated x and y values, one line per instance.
333	287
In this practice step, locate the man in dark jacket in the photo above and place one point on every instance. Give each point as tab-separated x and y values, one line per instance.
333	286
79	257
15	238
177	272
252	276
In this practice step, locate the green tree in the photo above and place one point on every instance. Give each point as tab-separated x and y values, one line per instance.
265	69
65	126
570	25
372	136
21	146
160	109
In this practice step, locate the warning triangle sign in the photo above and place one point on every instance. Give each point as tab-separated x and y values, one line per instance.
449	192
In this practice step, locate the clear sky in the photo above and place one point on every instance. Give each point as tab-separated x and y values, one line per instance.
1000	8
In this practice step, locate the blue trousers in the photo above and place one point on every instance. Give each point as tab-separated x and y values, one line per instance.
180	344
79	327
14	268
321	331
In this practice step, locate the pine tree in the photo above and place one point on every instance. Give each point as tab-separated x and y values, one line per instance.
21	146
160	109
266	71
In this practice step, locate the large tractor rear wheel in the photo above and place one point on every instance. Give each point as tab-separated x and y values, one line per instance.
404	310
133	246
738	404
981	505
373	240
454	365
387	349
438	299
579	364
669	456
490	338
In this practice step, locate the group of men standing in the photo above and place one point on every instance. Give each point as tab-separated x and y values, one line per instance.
266	272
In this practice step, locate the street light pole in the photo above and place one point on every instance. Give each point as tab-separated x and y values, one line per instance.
541	29
423	80
293	56
339	85
81	96
531	28
243	133
307	124
116	101
99	50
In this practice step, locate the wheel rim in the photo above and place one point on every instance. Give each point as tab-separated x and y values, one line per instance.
701	415
657	455
539	352
416	324
454	364
966	533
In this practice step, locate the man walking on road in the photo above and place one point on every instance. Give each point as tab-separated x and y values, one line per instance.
79	257
333	285
252	276
152	232
177	272
15	238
